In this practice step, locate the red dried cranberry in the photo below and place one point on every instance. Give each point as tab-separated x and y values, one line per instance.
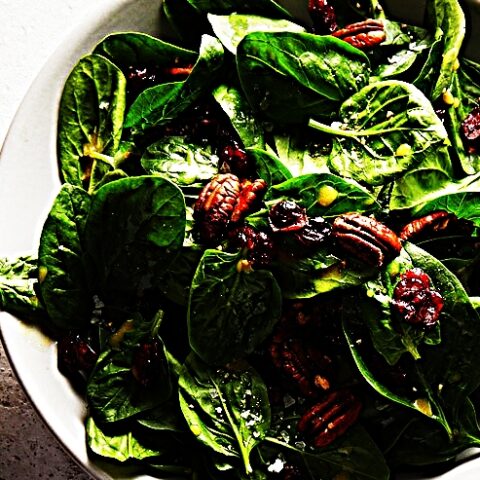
259	245
414	301
287	216
314	233
234	159
412	280
147	363
75	355
471	130
323	17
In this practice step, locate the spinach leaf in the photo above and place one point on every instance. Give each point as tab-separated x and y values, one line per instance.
463	204
391	337
120	446
90	120
17	288
297	276
466	90
238	110
269	167
302	151
126	49
133	230
291	76
353	455
230	312
160	104
403	47
446	17
389	128
227	409
181	162
325	194
451	364
230	29
63	283
268	8
113	392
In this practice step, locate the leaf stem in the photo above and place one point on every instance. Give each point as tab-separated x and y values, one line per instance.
340	132
107	159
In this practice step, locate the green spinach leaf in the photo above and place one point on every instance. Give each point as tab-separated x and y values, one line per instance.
230	312
160	104
325	194
90	121
134	229
181	162
291	76
17	292
227	409
62	269
230	29
388	129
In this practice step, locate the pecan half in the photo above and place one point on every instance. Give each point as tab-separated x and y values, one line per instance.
305	366
327	420
363	35
365	238
224	200
433	224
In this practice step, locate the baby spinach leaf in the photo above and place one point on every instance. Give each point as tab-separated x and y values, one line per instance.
353	455
17	293
297	276
230	29
61	263
126	49
268	8
269	167
230	312
181	162
134	228
325	194
291	76
120	446
227	409
450	364
238	110
466	90
379	122
301	152
113	392
159	104
448	20
399	52
90	120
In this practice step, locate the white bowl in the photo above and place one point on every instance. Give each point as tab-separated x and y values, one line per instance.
28	184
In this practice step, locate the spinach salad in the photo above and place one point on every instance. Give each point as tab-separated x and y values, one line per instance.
262	261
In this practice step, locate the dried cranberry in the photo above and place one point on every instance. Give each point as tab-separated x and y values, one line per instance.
414	301
234	159
147	363
471	130
323	17
287	216
75	355
314	233
260	246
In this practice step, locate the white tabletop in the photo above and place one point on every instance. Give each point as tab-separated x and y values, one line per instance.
30	31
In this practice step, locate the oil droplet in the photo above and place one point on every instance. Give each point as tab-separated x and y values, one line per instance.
42	274
448	97
403	150
327	195
423	405
196	430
